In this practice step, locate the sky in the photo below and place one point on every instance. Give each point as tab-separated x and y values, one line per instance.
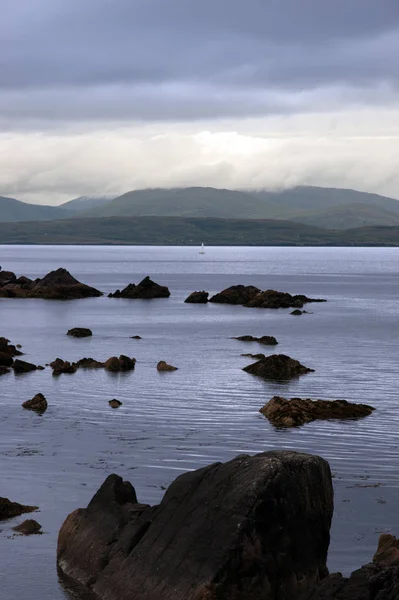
104	96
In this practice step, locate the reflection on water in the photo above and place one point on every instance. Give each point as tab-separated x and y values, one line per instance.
207	410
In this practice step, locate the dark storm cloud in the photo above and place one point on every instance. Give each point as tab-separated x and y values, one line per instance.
164	59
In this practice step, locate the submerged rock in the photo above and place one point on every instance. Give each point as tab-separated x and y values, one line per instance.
163	366
267	340
38	403
114	403
146	289
277	366
28	527
80	332
256	527
56	285
298	411
10	509
197	298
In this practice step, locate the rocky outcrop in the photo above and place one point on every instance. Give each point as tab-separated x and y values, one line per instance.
56	285
298	411
80	332
38	403
146	290
10	509
235	294
267	340
21	366
28	527
256	527
277	366
197	298
114	403
254	298
123	363
163	366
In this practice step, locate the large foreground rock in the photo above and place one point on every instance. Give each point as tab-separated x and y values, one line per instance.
255	528
298	411
277	366
146	290
10	509
56	285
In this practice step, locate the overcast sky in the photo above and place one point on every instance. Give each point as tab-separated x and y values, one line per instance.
104	96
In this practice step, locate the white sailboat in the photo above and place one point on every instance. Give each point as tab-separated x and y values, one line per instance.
202	251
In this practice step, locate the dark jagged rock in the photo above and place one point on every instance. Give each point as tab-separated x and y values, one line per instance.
298	411
7	349
235	294
38	403
253	528
80	332
197	298
146	289
274	299
21	366
89	363
56	285
60	366
163	366
267	340
114	403
10	509
277	366
28	527
123	363
257	356
5	359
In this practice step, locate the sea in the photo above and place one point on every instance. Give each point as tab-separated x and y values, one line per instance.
207	410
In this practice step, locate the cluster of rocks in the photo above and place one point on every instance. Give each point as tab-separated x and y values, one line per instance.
56	285
277	366
249	295
266	340
146	290
8	352
298	411
114	364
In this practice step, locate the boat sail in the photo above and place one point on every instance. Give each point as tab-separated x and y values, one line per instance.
202	251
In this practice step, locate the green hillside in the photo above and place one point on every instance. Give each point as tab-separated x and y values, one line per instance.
349	216
84	203
12	210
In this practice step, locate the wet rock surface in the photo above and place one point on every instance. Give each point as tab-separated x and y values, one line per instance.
163	366
28	527
253	528
38	403
56	285
10	509
267	340
277	366
197	298
298	411
146	290
80	332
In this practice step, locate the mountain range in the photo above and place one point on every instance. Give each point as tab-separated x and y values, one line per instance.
330	208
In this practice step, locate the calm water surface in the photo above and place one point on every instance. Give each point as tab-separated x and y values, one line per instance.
207	410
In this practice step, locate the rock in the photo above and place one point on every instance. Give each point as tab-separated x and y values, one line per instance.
5	359
89	363
80	332
10	509
7	349
4	370
297	312
60	366
123	363
56	285
298	411
21	366
146	290
267	340
274	299
114	403
277	366
37	403
387	553
28	527
236	294
163	366
256	527
257	356
136	337
197	298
